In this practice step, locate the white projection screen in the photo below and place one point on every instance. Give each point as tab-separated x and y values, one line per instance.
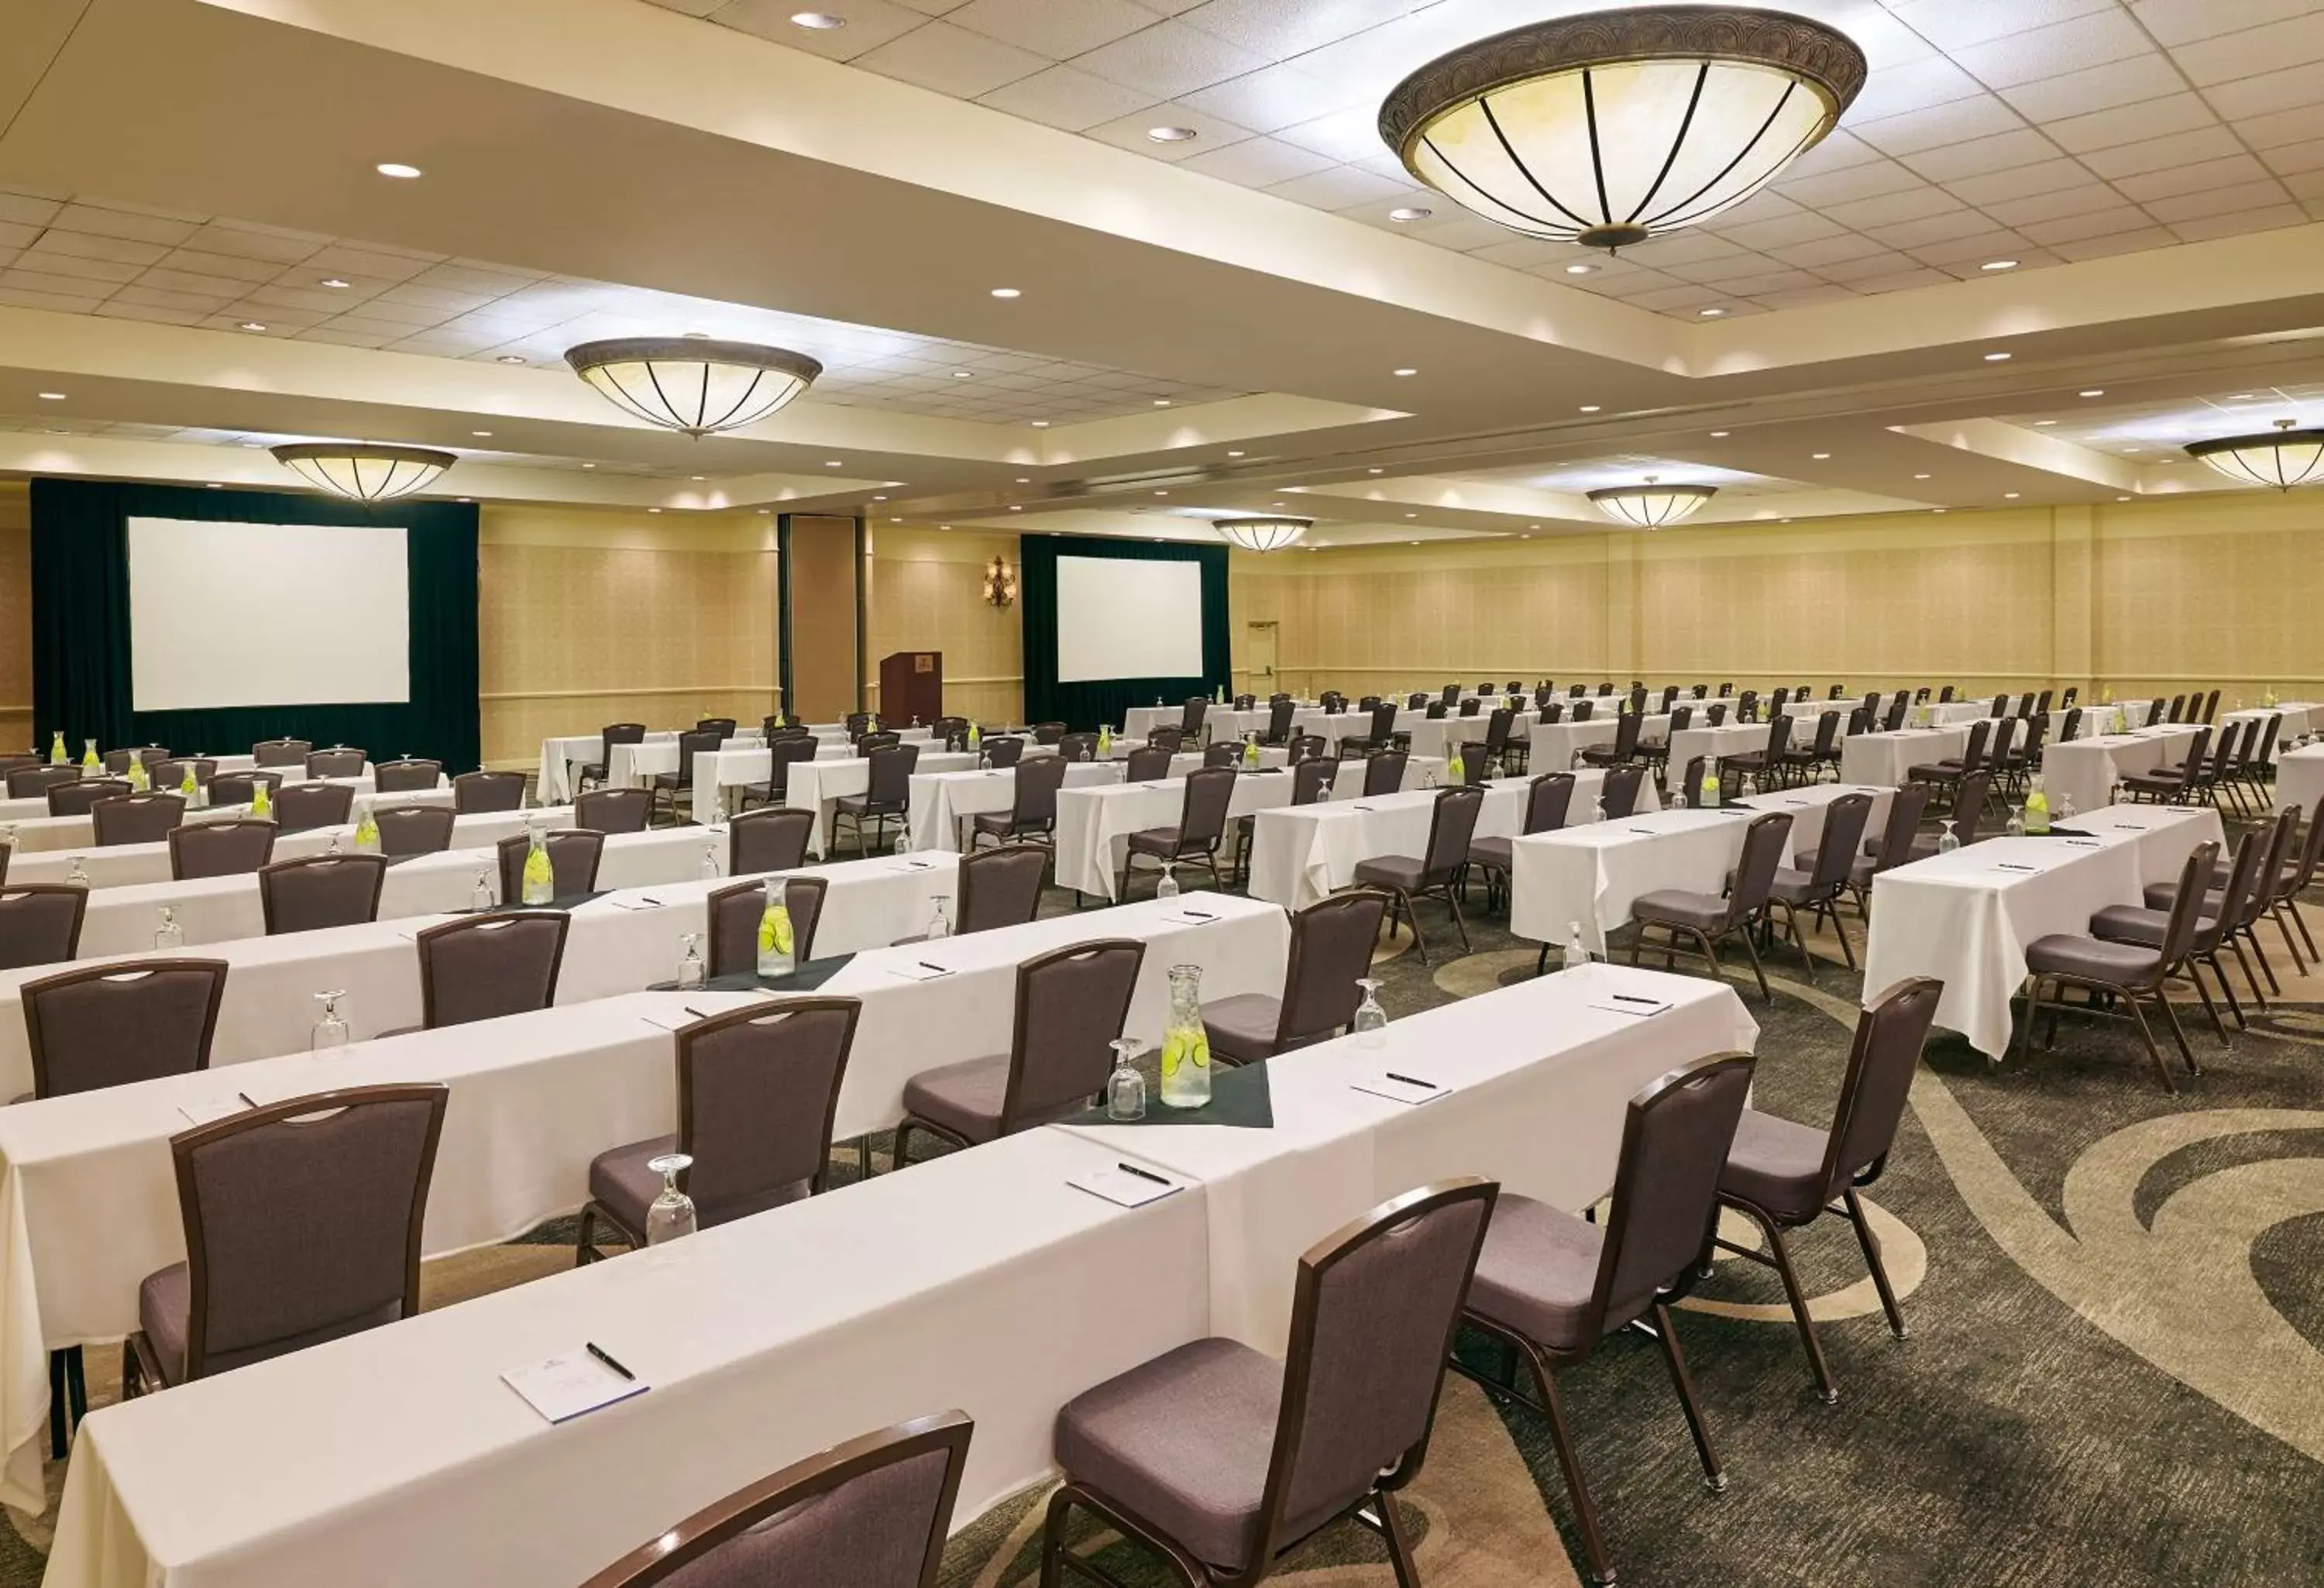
1124	618
267	615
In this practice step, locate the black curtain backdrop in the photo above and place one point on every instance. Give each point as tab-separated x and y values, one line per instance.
1104	700
81	626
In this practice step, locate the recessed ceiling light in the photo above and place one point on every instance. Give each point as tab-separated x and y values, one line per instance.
1412	515
1409	213
1920	476
831	463
332	282
696	478
1998	265
1936	510
1720	435
653	510
1170	135
1276	504
2009	495
2095	392
215	484
396	168
1234	455
588	465
1161	403
252	325
1592	408
1712	313
1012	507
1006	293
485	434
1040	424
1374	471
1997	357
2044	424
1161	493
1819	457
962	374
1412	542
2122	499
879	499
52	396
510	358
821	22
1581	270
1408	372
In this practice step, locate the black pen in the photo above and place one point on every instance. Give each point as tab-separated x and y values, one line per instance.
1129	1168
1198	915
595	1350
697	1013
1411	1080
247	1098
1634	998
938	968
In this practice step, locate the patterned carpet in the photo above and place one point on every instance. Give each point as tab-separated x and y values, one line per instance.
2115	1373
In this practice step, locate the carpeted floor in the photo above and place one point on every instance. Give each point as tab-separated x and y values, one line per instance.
2115	1374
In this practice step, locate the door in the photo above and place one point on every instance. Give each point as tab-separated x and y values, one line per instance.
1258	658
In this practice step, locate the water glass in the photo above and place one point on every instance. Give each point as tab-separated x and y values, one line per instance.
1125	1089
482	897
689	962
331	1030
1167	888
1371	1022
168	935
671	1215
940	917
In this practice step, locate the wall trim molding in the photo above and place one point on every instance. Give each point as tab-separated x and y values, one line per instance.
488	698
950	681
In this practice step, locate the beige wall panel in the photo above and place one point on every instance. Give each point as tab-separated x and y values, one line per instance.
926	593
15	615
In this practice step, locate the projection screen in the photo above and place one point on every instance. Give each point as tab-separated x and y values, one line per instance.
1118	618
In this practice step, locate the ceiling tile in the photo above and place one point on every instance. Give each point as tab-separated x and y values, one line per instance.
90	245
1935	229
2217	200
1129	132
92	274
2148	75
1903	281
1887	262
2095	223
2202	228
2296	40
114	308
1956	123
2277	90
1276	97
1666	299
15	297
1956	24
2130	123
2204	176
1064	96
2126	159
1280	29
1974	249
14	236
221	264
1455	228
2181	21
2024	181
1934	81
2114	243
2062	47
120	223
200	303
2293	158
1336	188
1804	297
1838	250
1170	59
1981	155
1257	162
1682	248
950	60
1057	33
22	209
1783	231
2055	205
870	25
1524	253
2284	126
1892	208
179	280
1868	180
1348	134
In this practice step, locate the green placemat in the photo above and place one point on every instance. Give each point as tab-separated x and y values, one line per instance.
814	973
1239	1096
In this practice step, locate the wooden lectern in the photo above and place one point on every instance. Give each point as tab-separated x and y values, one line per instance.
912	687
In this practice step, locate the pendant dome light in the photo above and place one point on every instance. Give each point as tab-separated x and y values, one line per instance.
694	384
1272	533
362	472
1653	506
2288	458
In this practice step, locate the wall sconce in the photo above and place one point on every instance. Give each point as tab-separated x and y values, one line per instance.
999	583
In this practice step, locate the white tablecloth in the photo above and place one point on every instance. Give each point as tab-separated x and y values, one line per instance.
121	865
2299	781
269	1006
1301	854
1714	744
1961	919
2297	719
2085	769
818	785
36	829
943	802
1888	759
1592	874
718	772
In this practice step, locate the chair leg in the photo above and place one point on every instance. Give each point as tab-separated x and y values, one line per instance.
2147	1034
1452	902
1399	1548
2302	922
2250	980
2178	1031
1412	920
2227	990
1766	993
1840	930
1826	1391
2024	1045
1666	1334
56	1401
1569	1460
1871	1244
2299	960
585	1250
2251	934
2195	974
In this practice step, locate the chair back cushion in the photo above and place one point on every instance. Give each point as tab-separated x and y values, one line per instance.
1881	1061
220	849
573	856
39	923
1767	845
109	1025
474	791
1001	887
404	777
1548	799
1843	837
1071	1004
1038	780
414	829
321	890
337	763
301	807
1145	764
78	797
1203	819
1311	779
773	839
1451	825
757	1088
134	819
1384	772
614	810
1675	1137
489	965
1331	949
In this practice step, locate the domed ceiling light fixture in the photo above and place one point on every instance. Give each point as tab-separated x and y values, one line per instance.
1610	128
2288	458
362	472
1653	506
695	384
1272	533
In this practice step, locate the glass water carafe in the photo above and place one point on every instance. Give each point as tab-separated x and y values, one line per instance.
775	941
540	875
1185	1046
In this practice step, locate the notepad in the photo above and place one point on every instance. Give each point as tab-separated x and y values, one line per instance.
204	1111
1634	1004
570	1383
919	971
912	865
2011	865
1399	1089
1121	1186
1195	917
640	902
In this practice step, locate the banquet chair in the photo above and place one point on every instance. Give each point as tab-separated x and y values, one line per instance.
1172	739
1817	890
1968	810
1690	782
1894	719
1331	949
257	1284
481	791
1202	826
2244	914
117	762
1032	810
1190	716
1783	1175
1605	689
2153	712
1475	759
734	912
1746	706
1450	695
1765	765
600	770
1436	711
1005	752
75	797
1279	717
887	793
220	849
28	782
413	829
483	966
1806	765
1582	710
782	754
321	890
1949	772
1436	872
109	1025
1146	764
2123	973
665	789
724	726
2254	767
1945	696
1577	691
1680	719
1549	798
857	724
2177	710
2228	900
2174	785
1551	1287
613	810
2073	691
1713	715
1471	706
1619	791
39	923
2211	706
406	777
1906	808
169	775
1707	918
337	763
2016	766
241	788
1307	747
2070	726
770	840
1500	741
301	807
1220	1459
1312	779
1417	701
282	753
2042	703
2025	703
1624	748
1860	720
872	1513
1382	738
1670	697
2284	901
6	851
1778	701
950	731
1077	747
2000	704
574	854
1225	752
1000	887
1048	733
758	1089
1384	772
134	818
1555	712
1070	1003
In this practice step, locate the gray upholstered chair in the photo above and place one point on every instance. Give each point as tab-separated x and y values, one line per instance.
6	851
724	726
280	752
768	840
408	777
169	774
665	789
39	923
1331	949
782	754
1619	791
1707	918
267	1275
135	818
1032	810
480	791
301	808
241	788
1384	772
1004	751
1817	890
1225	752
340	762
1001	887
1968	811
1145	764
574	853
220	849
1894	848
595	773
1048	733
1076	746
887	795
1200	827
1070	1003
413	829
485	966
1551	1285
2214	926
872	1513
613	810
758	1089
734	913
30	783
1783	1175
1312	779
2282	833
1219	1458
321	890
1548	798
117	762
76	797
1451	823
107	1025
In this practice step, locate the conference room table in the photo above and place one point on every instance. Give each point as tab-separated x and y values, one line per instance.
121	866
562	757
819	785
38	834
536	1097
34	807
1300	854
2086	770
1715	745
1435	736
718	772
220	910
619	942
1094	823
2299	781
398	1453
1966	918
2295	720
1591	875
1888	757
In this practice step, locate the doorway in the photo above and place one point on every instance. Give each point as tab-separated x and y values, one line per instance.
1258	658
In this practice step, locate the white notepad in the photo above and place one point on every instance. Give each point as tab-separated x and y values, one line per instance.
1120	1186
637	902
570	1383
913	865
204	1111
1395	1090
918	972
1630	1003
